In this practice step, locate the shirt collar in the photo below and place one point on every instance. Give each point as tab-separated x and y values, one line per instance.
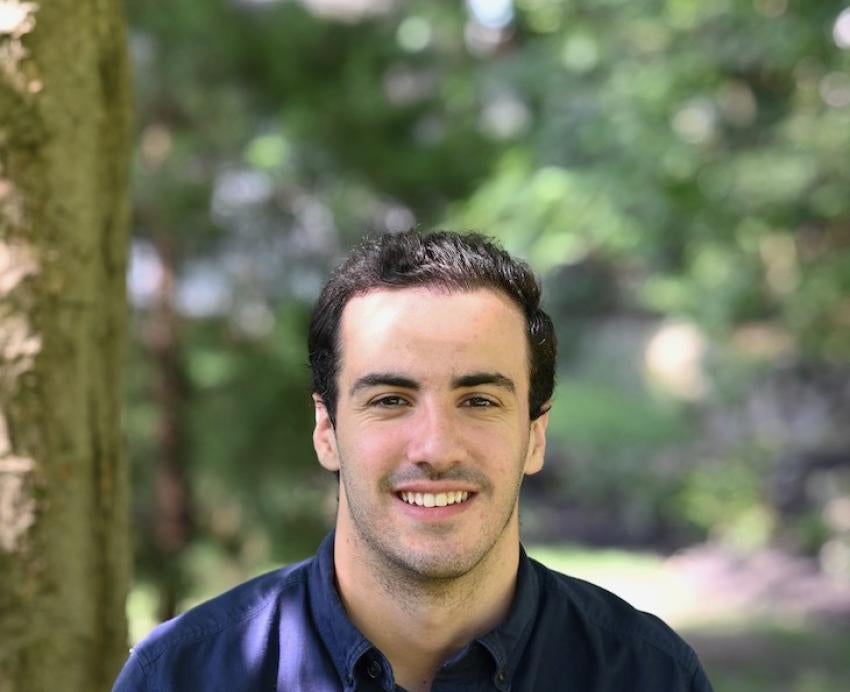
347	645
344	641
506	643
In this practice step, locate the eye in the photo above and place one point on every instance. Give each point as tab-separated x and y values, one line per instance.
389	401
480	402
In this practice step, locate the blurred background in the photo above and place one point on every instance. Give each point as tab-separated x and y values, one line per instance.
677	173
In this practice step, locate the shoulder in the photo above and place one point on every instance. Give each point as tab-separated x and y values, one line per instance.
248	615
610	621
232	609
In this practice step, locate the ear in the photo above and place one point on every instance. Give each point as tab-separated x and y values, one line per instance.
537	443
324	437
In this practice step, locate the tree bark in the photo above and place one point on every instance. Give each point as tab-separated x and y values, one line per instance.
64	145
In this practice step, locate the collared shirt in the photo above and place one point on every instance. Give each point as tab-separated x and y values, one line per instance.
287	631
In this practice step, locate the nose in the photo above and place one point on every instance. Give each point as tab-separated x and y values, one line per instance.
435	440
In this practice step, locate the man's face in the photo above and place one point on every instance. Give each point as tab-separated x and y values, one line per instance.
432	433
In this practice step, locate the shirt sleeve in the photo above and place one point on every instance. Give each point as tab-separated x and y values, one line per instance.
132	677
699	681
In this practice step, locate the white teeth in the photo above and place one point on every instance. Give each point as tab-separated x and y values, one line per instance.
435	500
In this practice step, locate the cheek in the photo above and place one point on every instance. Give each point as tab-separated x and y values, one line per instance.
372	449
497	456
501	442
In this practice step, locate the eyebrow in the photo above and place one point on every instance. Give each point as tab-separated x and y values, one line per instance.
388	379
382	379
476	379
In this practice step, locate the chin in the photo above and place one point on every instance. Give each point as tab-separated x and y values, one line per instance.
436	567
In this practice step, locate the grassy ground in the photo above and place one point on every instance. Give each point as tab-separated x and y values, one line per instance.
775	656
742	652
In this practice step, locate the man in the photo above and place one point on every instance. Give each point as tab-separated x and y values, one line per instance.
433	371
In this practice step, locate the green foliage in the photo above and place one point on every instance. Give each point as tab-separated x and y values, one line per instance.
599	418
725	497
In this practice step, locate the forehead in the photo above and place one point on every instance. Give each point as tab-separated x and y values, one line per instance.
429	331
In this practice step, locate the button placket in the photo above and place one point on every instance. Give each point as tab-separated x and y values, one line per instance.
373	669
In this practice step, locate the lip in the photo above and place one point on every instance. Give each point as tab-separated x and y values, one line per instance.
434	487
434	514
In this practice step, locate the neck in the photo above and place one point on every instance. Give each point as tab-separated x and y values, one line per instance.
416	622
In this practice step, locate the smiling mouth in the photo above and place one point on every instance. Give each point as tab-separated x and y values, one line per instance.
435	499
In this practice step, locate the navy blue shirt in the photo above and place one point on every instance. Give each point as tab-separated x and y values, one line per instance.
287	630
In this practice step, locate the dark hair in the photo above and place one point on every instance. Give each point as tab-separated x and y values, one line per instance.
453	261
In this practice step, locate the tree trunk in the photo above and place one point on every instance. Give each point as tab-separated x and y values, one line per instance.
64	143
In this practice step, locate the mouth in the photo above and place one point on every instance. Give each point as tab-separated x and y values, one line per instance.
445	499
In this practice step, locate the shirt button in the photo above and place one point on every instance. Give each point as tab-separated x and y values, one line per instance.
373	669
501	676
